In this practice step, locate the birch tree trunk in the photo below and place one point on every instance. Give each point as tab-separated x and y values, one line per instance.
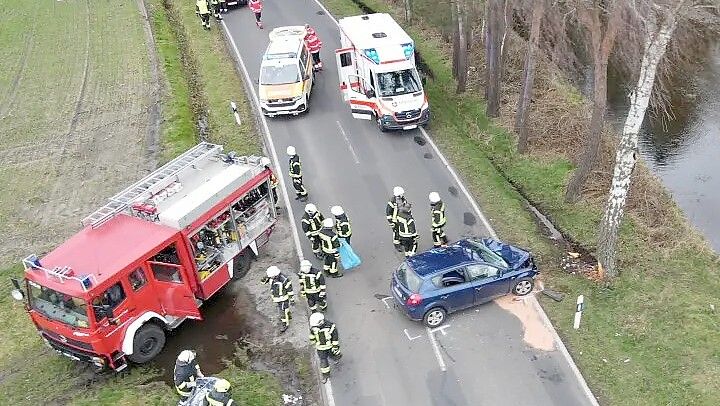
407	5
523	109
493	44
462	61
455	39
656	42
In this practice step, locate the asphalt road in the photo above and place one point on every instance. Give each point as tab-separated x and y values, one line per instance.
480	358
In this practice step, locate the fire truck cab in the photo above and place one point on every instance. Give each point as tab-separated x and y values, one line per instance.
378	77
147	260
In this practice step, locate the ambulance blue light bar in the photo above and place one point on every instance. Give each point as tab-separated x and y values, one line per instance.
408	49
372	54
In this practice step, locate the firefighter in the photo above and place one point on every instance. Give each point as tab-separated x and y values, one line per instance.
202	9
273	180
314	44
342	223
186	373
406	231
219	395
282	293
216	9
296	174
324	335
223	6
396	202
312	286
330	245
311	224
438	220
256	7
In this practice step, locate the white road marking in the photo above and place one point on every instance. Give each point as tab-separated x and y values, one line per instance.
440	329
408	335
329	397
347	141
436	349
384	301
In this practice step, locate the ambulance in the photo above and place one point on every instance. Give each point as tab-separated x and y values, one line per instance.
286	73
378	77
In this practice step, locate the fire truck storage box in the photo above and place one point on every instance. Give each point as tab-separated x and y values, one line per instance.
201	199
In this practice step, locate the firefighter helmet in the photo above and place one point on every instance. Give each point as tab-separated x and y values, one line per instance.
290	150
328	223
272	271
222	385
186	356
316	319
310	208
337	211
398	191
305	265
434	197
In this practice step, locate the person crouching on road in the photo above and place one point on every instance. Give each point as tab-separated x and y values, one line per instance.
219	395
324	335
330	245
256	7
311	223
407	232
438	220
314	44
342	223
312	286
202	9
186	373
282	294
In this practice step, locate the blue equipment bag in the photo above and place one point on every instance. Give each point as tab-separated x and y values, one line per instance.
347	256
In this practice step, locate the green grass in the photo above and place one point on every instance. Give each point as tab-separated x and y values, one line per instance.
658	315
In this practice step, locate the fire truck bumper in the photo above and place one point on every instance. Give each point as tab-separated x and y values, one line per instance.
77	354
391	122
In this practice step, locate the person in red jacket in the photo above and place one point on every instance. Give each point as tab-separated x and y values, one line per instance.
314	44
256	7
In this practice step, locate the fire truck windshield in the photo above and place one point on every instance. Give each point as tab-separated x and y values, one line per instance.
398	83
58	306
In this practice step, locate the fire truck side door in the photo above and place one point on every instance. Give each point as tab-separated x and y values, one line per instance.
361	97
173	290
345	67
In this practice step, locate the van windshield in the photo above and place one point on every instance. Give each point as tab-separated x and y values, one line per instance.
58	306
408	277
398	83
279	74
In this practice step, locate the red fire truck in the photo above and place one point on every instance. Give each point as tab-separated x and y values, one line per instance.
147	260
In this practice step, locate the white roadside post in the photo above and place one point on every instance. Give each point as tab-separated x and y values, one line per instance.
233	106
578	311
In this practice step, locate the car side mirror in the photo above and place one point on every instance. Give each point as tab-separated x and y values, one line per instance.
370	93
17	293
423	79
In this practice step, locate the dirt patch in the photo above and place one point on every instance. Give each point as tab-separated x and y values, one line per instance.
536	333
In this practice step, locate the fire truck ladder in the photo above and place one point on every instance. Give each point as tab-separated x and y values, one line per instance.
151	184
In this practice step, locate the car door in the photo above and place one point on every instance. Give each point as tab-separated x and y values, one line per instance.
345	67
361	97
454	289
487	282
113	309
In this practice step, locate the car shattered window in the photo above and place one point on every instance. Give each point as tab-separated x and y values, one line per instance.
398	83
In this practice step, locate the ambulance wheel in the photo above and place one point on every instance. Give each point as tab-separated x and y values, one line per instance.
147	344
242	262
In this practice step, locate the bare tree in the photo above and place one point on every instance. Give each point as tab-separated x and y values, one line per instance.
601	19
462	45
494	34
407	6
523	108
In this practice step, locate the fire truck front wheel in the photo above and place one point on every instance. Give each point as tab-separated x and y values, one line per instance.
148	342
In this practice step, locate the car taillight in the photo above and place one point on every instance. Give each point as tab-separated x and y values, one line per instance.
414	300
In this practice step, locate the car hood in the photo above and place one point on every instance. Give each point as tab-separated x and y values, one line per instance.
285	91
514	256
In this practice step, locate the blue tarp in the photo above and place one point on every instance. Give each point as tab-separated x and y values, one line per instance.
347	256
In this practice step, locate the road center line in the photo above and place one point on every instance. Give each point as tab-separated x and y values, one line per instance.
347	141
436	349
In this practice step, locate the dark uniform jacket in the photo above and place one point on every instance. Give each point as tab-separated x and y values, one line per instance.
324	336
329	240
280	287
295	167
393	208
215	398
312	281
312	224
342	224
406	225
438	214
185	375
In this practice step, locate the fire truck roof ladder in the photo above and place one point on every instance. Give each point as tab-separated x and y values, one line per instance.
151	184
61	273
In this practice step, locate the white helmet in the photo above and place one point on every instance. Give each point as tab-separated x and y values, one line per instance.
186	356
310	208
305	265
398	191
434	197
316	319
272	271
328	223
265	161
336	211
290	150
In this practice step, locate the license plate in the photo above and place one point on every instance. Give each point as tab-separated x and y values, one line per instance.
410	127
400	295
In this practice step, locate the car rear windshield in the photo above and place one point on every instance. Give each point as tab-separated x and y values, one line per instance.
408	278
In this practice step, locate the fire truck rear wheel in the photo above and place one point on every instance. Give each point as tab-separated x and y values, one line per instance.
148	343
242	263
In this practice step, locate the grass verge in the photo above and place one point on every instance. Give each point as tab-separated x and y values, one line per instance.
653	338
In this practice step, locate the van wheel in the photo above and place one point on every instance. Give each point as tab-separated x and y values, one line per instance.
523	286
434	317
147	344
242	262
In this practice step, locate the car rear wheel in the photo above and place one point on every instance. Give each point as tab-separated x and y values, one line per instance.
147	344
523	286
434	317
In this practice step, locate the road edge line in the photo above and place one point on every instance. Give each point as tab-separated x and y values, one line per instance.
436	349
329	399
